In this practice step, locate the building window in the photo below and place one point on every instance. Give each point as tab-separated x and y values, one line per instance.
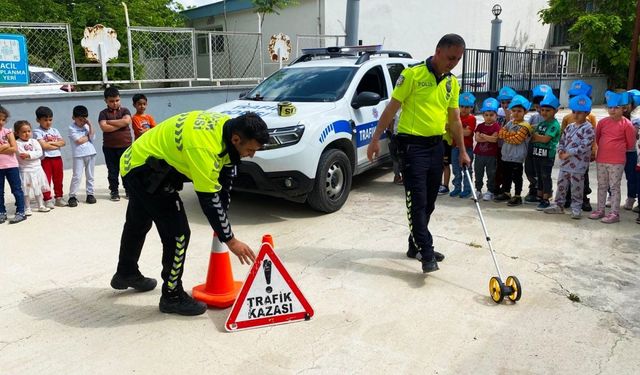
217	42
560	35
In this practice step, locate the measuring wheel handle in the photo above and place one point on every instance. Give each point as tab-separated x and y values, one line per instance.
496	289
515	289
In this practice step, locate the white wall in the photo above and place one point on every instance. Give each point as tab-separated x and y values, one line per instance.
300	19
416	26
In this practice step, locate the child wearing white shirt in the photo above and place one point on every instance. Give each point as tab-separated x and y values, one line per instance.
81	134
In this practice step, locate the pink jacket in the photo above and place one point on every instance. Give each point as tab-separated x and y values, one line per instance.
614	138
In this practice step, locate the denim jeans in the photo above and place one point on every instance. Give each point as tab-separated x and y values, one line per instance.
458	177
13	177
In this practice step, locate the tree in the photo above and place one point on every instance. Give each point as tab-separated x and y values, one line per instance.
262	7
603	29
82	13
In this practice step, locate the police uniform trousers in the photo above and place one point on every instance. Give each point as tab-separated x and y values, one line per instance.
422	174
164	208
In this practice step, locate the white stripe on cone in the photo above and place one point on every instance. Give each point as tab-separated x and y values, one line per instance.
217	246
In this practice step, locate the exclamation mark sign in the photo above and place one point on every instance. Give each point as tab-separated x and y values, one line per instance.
266	265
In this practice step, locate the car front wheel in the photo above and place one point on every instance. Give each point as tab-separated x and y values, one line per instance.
332	183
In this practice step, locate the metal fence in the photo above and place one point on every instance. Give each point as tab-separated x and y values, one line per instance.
317	41
234	57
48	46
189	55
162	54
485	71
575	63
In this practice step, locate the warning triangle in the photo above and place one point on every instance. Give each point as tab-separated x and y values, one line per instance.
269	296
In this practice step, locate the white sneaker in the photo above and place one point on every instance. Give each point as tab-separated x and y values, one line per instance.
488	196
628	204
43	209
50	204
60	202
27	211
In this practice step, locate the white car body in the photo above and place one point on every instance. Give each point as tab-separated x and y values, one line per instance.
41	81
327	125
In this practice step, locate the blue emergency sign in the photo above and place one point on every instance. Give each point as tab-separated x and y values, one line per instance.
14	67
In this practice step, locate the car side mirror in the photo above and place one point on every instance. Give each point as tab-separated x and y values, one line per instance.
365	99
243	94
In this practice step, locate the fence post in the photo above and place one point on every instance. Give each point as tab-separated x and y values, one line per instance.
464	69
261	54
194	56
210	41
71	54
130	49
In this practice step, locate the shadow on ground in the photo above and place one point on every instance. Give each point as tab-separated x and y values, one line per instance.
101	308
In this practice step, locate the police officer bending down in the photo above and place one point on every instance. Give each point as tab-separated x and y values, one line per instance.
428	95
198	146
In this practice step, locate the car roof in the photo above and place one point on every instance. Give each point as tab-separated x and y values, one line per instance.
350	61
38	69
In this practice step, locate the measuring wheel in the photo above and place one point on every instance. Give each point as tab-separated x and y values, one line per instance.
516	291
496	289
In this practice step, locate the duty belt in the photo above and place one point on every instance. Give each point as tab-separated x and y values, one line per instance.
409	139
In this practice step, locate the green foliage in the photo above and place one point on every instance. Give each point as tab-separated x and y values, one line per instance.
82	13
603	31
272	6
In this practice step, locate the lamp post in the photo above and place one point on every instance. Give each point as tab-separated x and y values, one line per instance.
496	25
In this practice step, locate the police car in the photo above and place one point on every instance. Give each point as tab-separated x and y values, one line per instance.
321	111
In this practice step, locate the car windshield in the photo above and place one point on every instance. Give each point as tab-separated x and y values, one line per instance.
317	84
45	77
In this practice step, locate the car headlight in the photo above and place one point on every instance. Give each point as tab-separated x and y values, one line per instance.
283	137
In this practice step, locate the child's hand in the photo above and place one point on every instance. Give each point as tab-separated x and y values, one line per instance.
24	155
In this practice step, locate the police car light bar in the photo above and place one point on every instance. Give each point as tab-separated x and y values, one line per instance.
342	50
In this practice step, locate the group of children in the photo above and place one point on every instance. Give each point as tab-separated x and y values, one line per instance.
507	147
31	160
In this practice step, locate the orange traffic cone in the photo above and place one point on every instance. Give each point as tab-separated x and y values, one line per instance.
220	290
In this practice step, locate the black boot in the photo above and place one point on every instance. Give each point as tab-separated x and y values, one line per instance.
137	282
415	254
181	303
429	265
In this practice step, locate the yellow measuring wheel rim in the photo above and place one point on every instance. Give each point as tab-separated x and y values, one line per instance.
495	290
511	282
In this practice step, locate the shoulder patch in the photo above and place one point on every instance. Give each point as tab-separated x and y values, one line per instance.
400	80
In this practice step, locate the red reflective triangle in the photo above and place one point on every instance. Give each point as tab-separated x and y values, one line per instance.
265	301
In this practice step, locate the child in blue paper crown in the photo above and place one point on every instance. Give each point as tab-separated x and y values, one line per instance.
515	134
574	151
543	148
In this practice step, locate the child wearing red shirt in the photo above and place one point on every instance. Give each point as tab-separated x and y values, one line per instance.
486	151
467	102
614	135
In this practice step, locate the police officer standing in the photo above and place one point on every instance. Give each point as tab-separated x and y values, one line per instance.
201	147
428	95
